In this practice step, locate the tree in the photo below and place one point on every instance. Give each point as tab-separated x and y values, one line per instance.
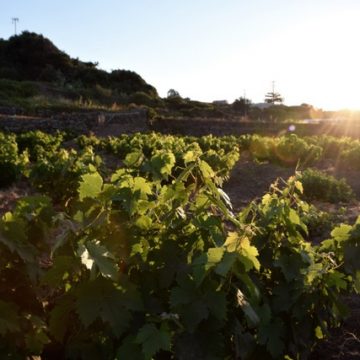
242	105
172	93
273	97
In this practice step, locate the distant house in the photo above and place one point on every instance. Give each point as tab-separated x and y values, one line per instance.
220	102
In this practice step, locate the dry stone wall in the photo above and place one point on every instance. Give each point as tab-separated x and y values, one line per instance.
100	123
220	127
116	123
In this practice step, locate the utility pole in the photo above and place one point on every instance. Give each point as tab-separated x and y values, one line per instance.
245	112
15	21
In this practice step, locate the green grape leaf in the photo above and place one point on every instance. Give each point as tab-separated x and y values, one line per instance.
232	242
203	263
61	269
216	302
143	222
214	256
13	236
248	255
318	333
299	186
95	253
9	321
206	170
129	349
272	334
337	279
313	272
99	298
182	295
190	156
133	159
342	232
117	175
352	254
90	185
37	338
60	317
142	185
193	313
161	164
294	217
266	199
226	263
153	339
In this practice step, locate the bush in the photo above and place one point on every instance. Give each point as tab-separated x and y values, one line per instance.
292	149
318	185
351	158
11	163
142	98
38	143
58	174
285	150
140	270
332	146
262	148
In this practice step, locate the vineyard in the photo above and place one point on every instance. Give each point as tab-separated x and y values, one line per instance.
152	246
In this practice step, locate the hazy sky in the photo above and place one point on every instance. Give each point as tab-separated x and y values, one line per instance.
211	49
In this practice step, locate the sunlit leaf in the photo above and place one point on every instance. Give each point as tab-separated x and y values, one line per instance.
90	186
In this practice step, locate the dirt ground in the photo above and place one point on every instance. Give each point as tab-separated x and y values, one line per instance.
250	180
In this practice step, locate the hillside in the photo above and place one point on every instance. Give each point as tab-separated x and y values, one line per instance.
31	66
36	76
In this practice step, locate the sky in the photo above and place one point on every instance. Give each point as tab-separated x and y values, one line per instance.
211	49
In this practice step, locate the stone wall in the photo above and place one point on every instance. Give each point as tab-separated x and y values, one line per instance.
219	127
116	123
100	123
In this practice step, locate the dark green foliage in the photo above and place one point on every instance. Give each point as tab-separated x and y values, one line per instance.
319	223
149	152
58	173
332	146
38	143
136	277
142	98
11	163
292	149
350	158
344	151
319	185
242	106
286	150
15	89
295	292
153	264
49	72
